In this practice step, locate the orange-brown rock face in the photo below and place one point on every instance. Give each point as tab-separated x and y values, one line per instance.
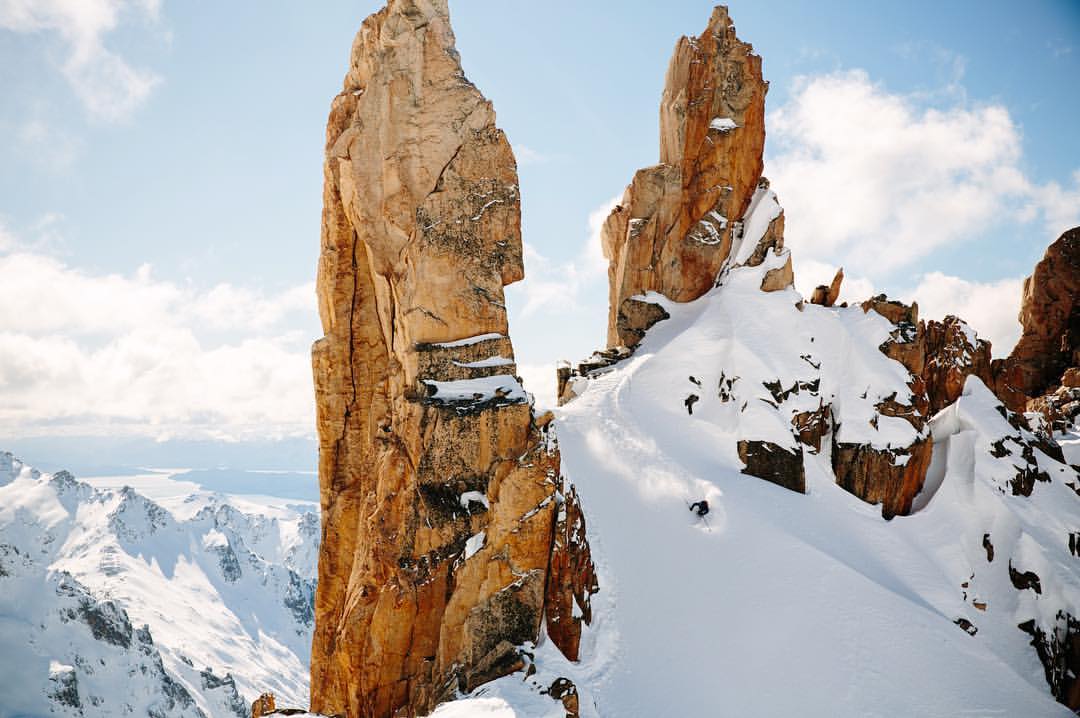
445	530
890	477
826	296
953	353
571	579
263	705
1050	317
677	220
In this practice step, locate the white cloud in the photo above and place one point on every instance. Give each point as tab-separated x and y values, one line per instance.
86	354
540	380
1060	205
594	250
528	156
552	285
41	294
109	88
878	180
47	146
990	307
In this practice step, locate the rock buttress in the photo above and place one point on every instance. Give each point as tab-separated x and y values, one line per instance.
1050	317
674	227
443	507
953	353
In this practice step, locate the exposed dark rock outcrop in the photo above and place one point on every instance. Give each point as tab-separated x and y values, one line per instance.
1059	653
636	317
892	476
775	464
571	379
1024	580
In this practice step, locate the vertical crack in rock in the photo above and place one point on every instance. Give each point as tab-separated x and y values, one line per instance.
449	535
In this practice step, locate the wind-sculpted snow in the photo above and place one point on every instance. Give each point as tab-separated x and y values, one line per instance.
1013	511
111	604
779	603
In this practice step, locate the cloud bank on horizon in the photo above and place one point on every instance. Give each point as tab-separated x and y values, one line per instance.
107	354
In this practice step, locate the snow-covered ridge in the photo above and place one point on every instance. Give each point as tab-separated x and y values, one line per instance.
853	614
112	604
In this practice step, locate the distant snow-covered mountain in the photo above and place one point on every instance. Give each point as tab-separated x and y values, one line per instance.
112	604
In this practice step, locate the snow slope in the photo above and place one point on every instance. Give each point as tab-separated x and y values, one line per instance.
788	604
132	608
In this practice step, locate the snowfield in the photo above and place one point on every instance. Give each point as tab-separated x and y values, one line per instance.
779	603
111	604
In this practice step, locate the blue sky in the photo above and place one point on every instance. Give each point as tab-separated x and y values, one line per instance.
160	179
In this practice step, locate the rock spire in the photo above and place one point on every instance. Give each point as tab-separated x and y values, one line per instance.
675	225
448	536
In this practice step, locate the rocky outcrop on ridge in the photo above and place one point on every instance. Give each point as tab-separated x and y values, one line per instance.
448	533
675	225
826	295
1060	407
940	356
264	705
892	476
953	353
1050	316
684	223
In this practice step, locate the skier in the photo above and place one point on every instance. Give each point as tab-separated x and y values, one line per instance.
700	507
